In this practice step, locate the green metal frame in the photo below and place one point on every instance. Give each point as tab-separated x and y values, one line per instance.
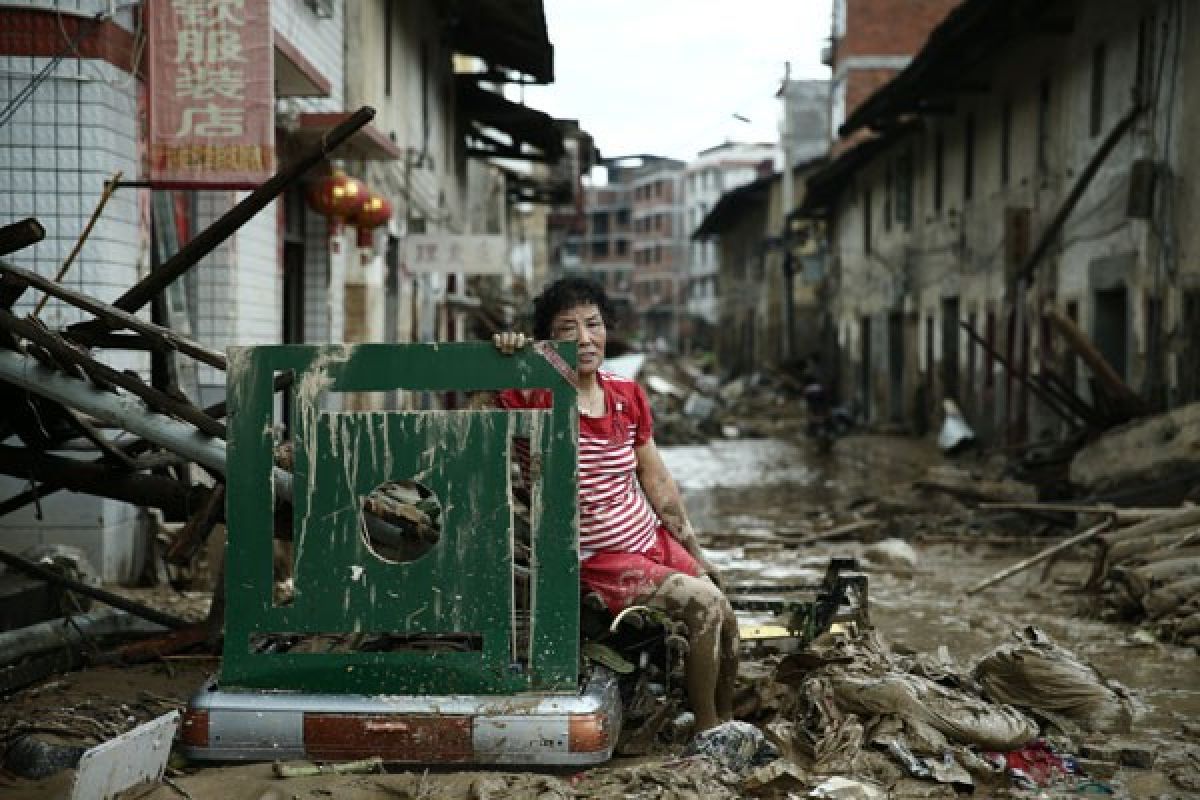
464	584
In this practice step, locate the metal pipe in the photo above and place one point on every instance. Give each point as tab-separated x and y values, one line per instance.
125	412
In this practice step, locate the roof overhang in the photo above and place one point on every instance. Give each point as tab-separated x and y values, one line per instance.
295	75
507	34
823	186
734	204
368	143
949	62
532	135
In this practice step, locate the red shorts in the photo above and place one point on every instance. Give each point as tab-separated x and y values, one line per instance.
620	578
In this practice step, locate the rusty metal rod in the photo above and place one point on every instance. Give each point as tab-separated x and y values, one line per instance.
109	188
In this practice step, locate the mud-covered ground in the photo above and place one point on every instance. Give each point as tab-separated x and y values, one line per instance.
744	494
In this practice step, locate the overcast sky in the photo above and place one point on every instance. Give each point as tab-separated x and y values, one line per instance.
667	76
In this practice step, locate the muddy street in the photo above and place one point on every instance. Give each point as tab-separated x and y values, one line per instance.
749	498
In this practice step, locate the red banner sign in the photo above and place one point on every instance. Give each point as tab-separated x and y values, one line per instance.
212	94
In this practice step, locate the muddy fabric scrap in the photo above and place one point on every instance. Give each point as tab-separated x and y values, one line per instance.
1036	674
962	718
735	745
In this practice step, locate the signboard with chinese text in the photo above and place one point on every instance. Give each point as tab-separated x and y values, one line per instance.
211	81
470	253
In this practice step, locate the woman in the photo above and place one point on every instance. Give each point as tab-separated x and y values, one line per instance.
635	547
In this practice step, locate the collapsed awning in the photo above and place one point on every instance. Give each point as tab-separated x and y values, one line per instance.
532	135
507	34
368	143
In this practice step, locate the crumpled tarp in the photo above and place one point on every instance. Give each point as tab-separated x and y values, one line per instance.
1036	674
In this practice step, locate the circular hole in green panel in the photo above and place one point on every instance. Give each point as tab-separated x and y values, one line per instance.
401	520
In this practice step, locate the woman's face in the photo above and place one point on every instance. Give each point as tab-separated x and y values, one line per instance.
585	326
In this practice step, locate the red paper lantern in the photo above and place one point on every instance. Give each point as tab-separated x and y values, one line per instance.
337	195
376	211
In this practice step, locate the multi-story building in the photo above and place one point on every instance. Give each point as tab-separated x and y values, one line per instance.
1034	157
712	173
659	249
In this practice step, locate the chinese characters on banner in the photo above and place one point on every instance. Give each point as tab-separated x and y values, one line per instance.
211	82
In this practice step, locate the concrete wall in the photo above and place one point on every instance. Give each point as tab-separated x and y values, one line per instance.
957	253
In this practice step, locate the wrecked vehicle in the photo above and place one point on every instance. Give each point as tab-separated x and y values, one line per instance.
471	650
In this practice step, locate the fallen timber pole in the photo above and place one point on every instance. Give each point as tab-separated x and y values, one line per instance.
67	354
20	235
156	491
1039	392
115	317
1120	514
108	598
1129	404
132	448
125	412
1021	566
208	239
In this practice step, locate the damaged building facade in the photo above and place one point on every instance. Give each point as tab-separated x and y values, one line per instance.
74	91
1032	162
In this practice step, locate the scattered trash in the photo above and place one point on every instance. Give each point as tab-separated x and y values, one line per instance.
847	789
955	434
734	745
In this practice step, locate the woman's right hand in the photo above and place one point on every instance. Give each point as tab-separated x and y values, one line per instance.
509	342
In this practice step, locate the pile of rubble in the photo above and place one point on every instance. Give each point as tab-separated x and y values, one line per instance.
691	406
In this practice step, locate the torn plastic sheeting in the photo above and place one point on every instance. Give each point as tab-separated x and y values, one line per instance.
1035	673
961	717
838	788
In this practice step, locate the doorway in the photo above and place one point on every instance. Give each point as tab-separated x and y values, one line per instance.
1110	328
896	366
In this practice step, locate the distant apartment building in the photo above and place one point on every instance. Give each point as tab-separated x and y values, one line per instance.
714	172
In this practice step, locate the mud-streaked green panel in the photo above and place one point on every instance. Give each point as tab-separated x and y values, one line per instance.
463	585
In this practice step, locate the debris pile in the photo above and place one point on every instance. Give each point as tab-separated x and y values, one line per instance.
1149	573
851	706
691	407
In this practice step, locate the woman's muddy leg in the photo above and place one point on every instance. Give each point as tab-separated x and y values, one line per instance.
697	603
727	674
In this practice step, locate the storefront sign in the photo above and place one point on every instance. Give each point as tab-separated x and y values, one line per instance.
471	253
212	116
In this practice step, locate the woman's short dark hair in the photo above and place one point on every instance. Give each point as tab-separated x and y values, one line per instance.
563	295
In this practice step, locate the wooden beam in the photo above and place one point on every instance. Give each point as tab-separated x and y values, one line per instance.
19	235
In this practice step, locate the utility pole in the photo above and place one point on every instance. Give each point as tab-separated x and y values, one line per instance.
787	195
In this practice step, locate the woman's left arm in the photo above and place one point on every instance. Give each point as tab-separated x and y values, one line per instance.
663	494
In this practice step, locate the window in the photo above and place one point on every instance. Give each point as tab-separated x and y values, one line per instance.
622	248
866	220
939	152
1099	56
1043	129
600	249
904	189
1005	141
600	222
969	157
623	218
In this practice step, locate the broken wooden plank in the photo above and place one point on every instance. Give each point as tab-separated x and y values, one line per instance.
117	318
19	235
1021	566
833	533
1128	402
155	491
1119	514
33	570
198	527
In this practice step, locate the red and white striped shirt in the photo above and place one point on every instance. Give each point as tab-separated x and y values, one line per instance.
614	516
